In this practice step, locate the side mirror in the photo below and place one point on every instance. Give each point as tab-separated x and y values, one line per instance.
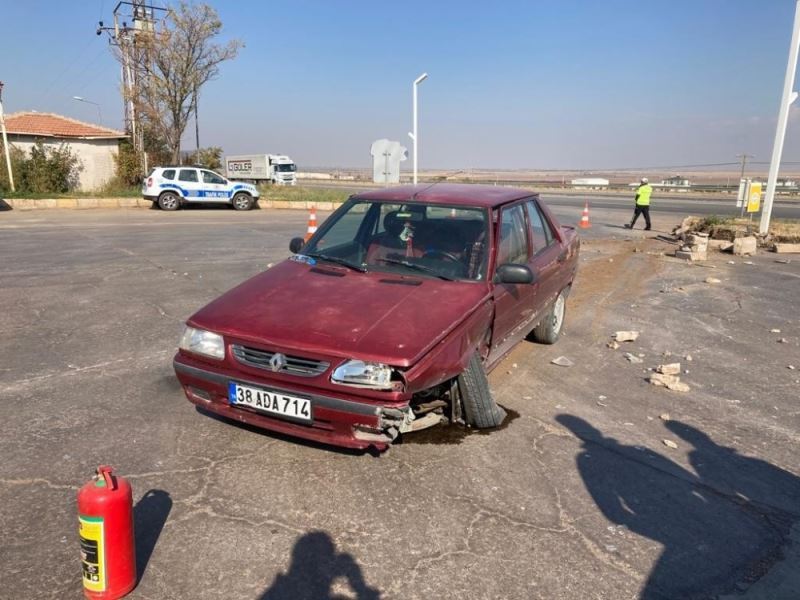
296	244
509	273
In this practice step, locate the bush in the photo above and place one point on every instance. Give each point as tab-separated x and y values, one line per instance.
47	169
128	165
18	159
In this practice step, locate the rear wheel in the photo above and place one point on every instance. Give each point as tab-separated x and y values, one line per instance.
242	201
549	330
169	201
480	409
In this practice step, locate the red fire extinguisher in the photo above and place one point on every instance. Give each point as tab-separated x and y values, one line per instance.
105	521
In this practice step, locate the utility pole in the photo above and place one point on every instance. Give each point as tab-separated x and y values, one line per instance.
6	149
413	135
134	44
744	158
196	127
789	96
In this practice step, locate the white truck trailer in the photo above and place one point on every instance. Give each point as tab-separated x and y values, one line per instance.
278	169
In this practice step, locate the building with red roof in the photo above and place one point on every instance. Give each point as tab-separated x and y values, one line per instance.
94	145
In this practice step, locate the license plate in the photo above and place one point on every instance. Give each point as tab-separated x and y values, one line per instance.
275	403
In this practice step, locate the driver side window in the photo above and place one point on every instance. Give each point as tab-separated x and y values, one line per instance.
513	243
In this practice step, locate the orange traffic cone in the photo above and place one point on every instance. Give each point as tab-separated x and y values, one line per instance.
312	223
585	224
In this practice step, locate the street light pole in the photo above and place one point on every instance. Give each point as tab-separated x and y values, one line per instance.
788	98
99	113
6	149
413	135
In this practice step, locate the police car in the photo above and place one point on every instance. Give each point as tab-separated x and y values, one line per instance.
169	187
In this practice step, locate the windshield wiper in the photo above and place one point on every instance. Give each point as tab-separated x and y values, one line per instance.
416	267
338	261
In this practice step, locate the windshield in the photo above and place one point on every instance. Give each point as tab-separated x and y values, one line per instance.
286	168
425	240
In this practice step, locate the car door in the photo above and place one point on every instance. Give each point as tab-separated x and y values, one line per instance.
514	303
546	251
214	186
190	184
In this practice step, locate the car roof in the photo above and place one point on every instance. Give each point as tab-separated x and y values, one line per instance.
484	196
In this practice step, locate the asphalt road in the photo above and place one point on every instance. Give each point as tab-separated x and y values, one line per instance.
577	497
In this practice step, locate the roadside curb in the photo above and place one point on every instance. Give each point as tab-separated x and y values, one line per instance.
90	203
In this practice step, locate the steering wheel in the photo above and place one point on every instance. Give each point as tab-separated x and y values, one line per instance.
442	254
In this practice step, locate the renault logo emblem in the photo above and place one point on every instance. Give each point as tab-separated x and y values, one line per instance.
277	362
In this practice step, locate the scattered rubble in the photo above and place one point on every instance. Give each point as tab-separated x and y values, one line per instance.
783	341
721	245
670	369
671	382
670	444
783	261
688	358
664	417
713	280
626	336
562	361
775	330
633	358
613	345
694	248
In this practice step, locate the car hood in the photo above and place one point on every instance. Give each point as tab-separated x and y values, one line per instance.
331	310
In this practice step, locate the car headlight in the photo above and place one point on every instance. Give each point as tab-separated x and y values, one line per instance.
364	374
202	342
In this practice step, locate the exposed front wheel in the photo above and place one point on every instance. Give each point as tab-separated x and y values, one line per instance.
242	201
169	201
480	409
548	331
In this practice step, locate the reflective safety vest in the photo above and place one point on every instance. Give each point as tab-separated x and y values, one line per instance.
643	195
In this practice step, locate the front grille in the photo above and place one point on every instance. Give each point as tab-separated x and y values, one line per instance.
291	365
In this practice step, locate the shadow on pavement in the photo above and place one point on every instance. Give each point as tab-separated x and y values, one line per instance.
720	527
317	571
149	516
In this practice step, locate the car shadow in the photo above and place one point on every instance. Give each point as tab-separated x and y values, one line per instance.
721	527
4	206
149	517
317	572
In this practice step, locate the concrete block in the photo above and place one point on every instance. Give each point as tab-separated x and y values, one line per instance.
691	255
108	203
281	204
787	248
745	245
66	203
128	202
324	205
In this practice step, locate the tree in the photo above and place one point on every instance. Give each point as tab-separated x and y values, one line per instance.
210	158
174	63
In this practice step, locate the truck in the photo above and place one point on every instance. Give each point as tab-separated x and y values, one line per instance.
277	169
387	320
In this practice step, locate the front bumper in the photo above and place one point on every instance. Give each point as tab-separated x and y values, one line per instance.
336	421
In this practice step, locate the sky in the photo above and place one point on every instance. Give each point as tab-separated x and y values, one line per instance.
556	84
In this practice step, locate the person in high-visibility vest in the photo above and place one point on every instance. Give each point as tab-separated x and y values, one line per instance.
643	193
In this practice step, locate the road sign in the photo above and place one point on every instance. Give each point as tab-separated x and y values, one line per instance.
754	197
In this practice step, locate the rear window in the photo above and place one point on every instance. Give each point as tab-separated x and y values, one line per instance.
188	175
168	174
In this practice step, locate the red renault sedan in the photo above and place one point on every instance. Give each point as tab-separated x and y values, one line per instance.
387	320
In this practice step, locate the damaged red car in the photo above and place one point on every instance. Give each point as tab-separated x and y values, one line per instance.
388	319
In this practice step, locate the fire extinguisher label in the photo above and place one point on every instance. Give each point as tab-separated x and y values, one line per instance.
93	561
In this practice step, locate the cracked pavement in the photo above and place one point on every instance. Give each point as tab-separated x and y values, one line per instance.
578	497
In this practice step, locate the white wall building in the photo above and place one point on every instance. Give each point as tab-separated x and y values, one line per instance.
95	146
